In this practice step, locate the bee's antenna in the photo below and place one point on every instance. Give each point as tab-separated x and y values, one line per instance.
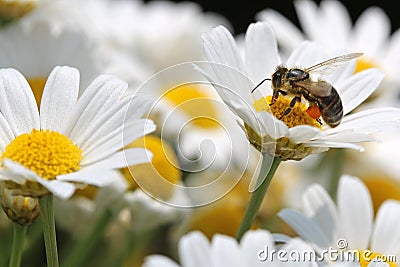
267	79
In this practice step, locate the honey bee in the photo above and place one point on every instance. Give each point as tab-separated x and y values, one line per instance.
323	98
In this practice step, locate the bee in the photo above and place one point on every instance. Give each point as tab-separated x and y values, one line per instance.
324	100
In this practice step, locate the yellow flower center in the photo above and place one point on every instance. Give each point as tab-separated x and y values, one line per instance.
11	9
367	256
164	165
45	152
364	64
196	104
382	188
297	116
37	85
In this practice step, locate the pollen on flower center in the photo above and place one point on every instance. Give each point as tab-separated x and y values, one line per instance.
192	101
366	257
297	116
45	152
37	86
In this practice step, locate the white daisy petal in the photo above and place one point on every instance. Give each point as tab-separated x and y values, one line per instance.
97	99
290	36
221	48
355	211
60	189
386	236
93	176
359	87
56	104
325	144
17	102
159	261
225	251
308	17
261	50
369	121
320	207
372	22
194	250
122	159
6	134
306	55
303	133
305	227
252	242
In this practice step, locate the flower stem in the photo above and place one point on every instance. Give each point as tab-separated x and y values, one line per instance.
266	173
49	229
80	252
19	233
336	171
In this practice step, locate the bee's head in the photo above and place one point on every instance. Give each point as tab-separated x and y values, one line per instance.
277	77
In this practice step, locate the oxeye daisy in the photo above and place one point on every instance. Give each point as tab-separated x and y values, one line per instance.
297	134
34	46
348	225
255	249
72	141
331	25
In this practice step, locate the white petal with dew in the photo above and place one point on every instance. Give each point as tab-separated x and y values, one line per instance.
355	211
59	98
17	102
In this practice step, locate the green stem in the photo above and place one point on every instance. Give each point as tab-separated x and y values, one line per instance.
49	229
336	172
80	252
266	173
19	233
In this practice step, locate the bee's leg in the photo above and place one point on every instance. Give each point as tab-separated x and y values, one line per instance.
275	96
291	105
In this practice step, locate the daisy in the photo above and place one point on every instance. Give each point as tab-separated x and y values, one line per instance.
71	142
35	47
330	24
196	250
349	224
297	134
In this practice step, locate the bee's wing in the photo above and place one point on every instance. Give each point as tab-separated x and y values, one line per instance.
331	64
318	88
